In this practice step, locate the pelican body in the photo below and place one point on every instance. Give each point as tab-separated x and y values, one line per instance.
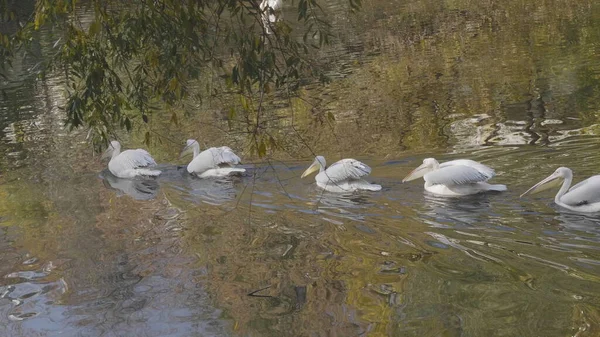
212	162
583	197
129	163
454	178
270	9
345	175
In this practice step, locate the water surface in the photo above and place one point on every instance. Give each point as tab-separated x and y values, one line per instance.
513	85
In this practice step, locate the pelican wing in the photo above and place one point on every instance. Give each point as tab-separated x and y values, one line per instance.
347	169
133	159
213	158
458	175
485	170
585	192
226	156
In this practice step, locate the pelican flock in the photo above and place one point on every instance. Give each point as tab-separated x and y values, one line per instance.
455	178
129	163
583	197
212	162
345	175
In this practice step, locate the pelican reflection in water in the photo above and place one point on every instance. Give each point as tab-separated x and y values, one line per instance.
455	178
345	175
468	211
215	191
350	206
138	189
583	197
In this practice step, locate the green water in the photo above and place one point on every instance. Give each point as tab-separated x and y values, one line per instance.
512	84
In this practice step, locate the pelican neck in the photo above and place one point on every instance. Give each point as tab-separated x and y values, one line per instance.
115	153
322	165
565	186
196	149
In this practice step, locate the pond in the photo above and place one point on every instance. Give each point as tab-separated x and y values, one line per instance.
513	85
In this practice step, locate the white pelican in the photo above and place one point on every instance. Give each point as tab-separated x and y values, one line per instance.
129	163
213	162
583	197
269	16
454	178
342	176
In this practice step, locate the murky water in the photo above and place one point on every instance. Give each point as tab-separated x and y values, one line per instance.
515	86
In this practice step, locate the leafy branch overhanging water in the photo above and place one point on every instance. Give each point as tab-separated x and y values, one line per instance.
132	60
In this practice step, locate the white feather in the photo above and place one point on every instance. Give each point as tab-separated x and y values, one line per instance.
483	169
585	192
213	162
346	169
344	175
130	163
457	175
270	13
455	178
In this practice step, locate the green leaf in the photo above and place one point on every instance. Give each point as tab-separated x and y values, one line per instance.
262	149
147	57
330	116
174	119
94	28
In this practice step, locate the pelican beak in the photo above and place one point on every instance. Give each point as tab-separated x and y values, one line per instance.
185	151
416	173
312	168
553	180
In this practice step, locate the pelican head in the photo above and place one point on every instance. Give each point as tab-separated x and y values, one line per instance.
554	180
429	164
190	145
318	164
114	146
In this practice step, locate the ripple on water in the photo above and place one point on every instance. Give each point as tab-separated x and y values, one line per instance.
30	293
487	265
444	261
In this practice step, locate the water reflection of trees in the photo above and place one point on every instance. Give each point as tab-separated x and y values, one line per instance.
438	75
459	62
279	282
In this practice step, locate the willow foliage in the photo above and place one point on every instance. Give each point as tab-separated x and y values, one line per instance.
137	58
